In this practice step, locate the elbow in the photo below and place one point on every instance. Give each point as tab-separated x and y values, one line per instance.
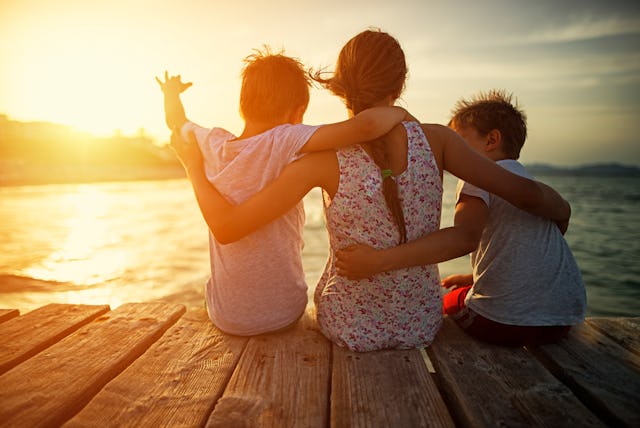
565	212
368	128
470	245
539	201
223	237
468	241
532	199
225	234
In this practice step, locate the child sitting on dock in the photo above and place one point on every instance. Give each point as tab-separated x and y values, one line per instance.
381	193
257	284
526	287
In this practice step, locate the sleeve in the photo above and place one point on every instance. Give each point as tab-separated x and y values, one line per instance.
297	137
204	138
471	190
200	132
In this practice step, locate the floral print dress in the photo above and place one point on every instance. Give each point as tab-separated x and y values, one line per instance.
396	309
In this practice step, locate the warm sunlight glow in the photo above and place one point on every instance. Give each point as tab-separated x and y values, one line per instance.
91	65
88	255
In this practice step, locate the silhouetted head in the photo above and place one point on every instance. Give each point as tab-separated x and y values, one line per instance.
370	68
273	86
491	110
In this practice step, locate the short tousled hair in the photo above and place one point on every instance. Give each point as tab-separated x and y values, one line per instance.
272	85
493	110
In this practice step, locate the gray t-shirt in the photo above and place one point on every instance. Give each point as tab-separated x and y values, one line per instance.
524	272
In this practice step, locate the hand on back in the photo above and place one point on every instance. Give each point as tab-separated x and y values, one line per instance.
457	280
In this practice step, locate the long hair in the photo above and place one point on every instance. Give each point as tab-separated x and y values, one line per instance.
370	68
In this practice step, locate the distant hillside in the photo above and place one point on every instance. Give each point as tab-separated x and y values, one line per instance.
592	170
43	152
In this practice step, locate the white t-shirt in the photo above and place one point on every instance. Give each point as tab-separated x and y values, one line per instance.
257	283
524	272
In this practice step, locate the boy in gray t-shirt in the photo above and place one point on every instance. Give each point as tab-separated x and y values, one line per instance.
526	286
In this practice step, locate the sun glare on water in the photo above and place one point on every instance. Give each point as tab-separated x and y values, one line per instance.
88	254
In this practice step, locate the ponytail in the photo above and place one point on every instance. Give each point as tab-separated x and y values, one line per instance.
371	67
389	187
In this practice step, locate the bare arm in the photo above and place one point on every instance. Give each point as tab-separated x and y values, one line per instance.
172	87
365	126
361	261
228	222
529	195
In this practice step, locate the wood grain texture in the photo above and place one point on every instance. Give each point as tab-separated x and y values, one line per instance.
282	380
55	384
23	337
624	331
175	383
487	385
602	373
7	314
384	388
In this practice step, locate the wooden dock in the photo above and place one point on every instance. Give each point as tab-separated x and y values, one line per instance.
156	364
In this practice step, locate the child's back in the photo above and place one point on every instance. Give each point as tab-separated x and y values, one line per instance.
257	283
527	287
524	272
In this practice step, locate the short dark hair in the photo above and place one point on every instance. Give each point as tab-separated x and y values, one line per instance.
494	110
272	84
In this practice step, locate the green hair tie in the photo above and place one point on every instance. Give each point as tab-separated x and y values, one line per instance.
386	173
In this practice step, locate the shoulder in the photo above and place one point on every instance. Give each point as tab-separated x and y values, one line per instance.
438	131
293	130
439	135
515	167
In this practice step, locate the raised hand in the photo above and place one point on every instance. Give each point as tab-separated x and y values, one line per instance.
172	84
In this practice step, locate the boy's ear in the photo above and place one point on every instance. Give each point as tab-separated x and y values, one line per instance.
494	140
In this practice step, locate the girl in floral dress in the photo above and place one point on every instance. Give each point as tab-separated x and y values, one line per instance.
382	194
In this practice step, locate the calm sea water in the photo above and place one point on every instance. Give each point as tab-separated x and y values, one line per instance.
110	243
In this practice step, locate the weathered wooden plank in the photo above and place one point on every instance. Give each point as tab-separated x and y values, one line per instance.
602	373
55	384
384	388
625	331
7	314
488	386
25	336
175	383
282	380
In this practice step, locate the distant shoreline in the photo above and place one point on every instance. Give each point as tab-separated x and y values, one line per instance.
59	174
590	170
12	175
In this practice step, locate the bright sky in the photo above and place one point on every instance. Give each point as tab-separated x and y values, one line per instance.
573	65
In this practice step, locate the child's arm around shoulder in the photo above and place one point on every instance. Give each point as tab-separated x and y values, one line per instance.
365	126
229	223
461	160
